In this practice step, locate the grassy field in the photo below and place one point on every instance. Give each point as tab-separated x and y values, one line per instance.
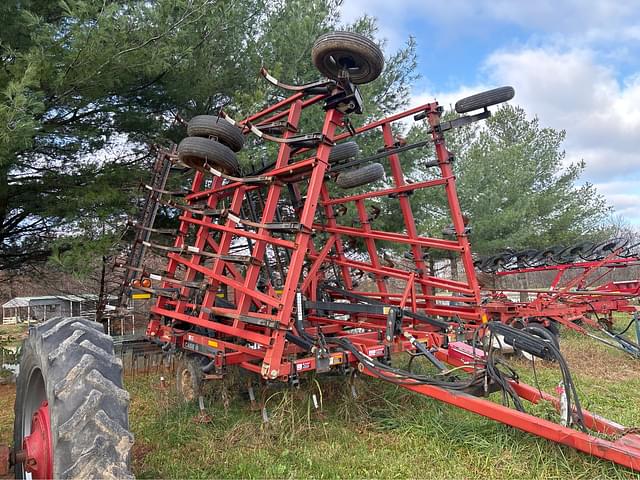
386	432
12	335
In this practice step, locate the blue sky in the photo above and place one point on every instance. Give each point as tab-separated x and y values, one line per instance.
574	64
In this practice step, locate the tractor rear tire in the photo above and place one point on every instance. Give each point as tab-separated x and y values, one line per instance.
196	152
68	371
343	151
212	126
485	99
337	53
360	176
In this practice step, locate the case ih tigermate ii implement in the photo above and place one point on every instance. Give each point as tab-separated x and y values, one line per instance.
263	274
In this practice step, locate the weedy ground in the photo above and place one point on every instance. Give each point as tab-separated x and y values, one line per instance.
385	432
12	335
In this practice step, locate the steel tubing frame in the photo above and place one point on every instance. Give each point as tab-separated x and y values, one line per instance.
253	331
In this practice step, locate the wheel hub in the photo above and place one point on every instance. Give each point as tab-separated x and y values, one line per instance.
37	447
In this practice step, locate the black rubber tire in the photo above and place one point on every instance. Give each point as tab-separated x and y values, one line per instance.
212	126
70	361
334	51
360	176
553	328
485	99
196	151
189	377
343	151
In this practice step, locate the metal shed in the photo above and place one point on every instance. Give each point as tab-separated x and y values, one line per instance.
38	309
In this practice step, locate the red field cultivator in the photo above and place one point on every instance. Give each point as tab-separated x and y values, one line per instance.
267	273
577	297
280	270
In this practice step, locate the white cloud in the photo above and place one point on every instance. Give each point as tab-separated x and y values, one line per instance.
571	91
574	66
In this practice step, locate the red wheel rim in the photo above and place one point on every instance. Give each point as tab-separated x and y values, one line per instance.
37	446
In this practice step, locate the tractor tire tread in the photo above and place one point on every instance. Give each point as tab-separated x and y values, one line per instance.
88	406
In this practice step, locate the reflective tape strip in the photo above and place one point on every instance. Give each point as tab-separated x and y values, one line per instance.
269	77
215	172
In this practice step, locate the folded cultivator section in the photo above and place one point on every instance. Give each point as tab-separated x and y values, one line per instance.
258	253
283	269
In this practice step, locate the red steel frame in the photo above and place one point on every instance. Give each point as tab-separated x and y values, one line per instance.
252	332
571	301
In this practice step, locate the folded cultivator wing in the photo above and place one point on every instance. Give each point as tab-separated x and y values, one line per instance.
577	298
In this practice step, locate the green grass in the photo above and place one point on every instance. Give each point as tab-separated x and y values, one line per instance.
7	398
387	432
12	335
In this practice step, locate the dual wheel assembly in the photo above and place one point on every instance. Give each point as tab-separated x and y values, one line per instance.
212	142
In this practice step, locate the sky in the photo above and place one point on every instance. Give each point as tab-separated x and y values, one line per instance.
575	64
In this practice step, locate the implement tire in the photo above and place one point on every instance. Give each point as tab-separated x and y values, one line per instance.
485	99
337	52
212	126
543	332
360	176
195	152
343	151
69	374
189	377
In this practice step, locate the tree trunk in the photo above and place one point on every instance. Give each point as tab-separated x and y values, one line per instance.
101	296
4	199
453	261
